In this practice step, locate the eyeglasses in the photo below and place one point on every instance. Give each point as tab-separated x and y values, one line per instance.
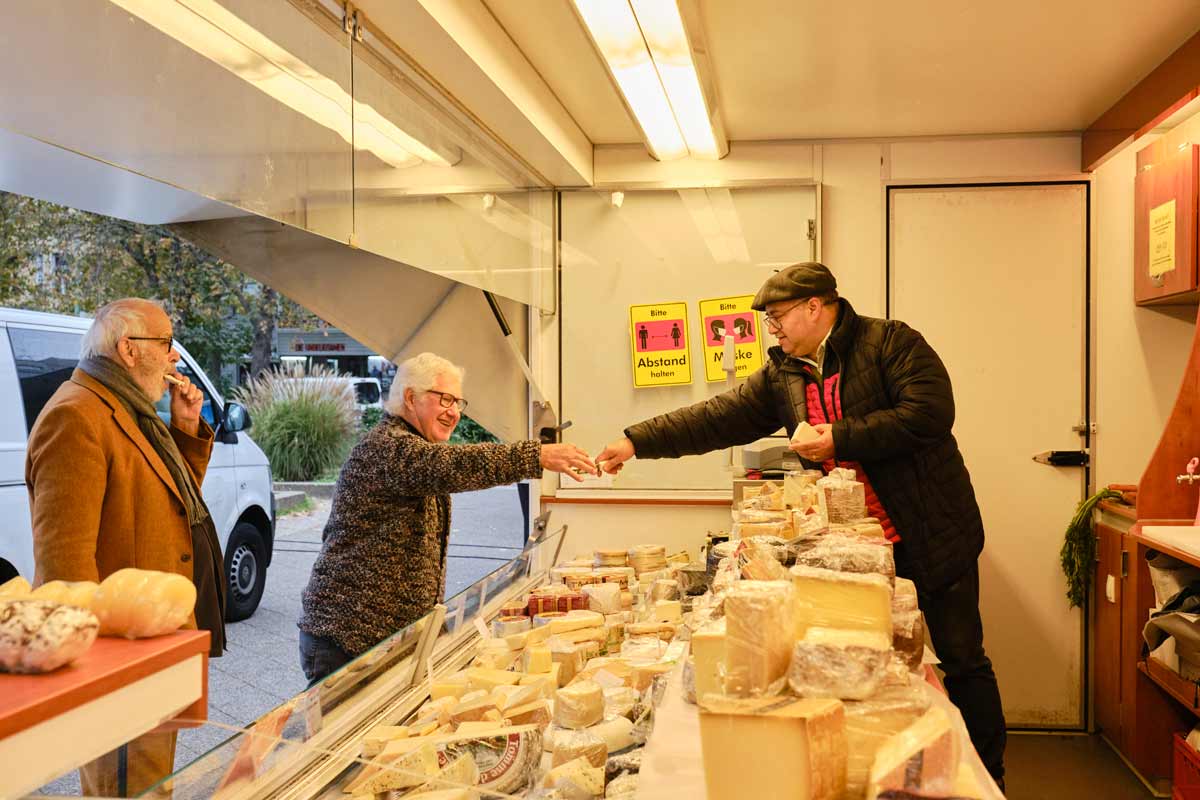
445	399
775	321
165	340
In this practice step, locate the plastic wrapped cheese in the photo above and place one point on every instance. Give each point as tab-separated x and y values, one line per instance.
845	497
846	664
760	628
139	603
908	637
850	554
70	593
579	705
40	635
870	722
904	596
921	759
604	598
572	744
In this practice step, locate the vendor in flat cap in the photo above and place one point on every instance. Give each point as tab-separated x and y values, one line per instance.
880	400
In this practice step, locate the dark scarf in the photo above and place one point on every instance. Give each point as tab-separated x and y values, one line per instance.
207	565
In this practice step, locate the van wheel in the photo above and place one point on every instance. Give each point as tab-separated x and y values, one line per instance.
246	568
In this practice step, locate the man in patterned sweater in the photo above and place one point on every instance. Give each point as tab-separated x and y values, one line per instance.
881	402
383	562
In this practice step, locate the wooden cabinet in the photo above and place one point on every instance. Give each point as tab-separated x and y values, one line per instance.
1165	201
1107	622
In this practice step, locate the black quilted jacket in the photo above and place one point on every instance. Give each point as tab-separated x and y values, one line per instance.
898	410
383	562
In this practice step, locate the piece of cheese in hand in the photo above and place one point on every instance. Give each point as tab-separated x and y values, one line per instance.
139	603
770	747
804	433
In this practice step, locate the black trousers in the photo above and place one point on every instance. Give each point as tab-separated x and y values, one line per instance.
952	617
320	657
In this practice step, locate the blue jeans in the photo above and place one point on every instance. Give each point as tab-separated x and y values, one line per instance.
320	656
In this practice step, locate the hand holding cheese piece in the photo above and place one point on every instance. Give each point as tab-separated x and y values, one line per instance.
140	603
40	636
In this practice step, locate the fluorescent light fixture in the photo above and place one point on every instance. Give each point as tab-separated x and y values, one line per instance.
224	38
646	47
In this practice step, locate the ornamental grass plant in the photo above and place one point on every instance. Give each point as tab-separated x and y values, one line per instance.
306	423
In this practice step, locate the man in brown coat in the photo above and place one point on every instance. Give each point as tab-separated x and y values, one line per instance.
111	486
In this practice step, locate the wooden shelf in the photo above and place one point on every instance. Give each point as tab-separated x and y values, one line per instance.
1183	690
116	691
1161	546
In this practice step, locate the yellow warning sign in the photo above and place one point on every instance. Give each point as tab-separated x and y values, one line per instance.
658	335
730	316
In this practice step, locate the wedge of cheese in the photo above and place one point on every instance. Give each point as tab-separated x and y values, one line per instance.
760	628
773	747
829	599
922	759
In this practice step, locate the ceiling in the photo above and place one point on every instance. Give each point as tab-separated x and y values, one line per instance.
812	69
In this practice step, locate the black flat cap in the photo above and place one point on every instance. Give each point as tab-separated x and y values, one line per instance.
796	282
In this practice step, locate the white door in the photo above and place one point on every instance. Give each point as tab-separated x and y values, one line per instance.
995	277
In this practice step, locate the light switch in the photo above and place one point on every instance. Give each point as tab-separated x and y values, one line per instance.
1110	589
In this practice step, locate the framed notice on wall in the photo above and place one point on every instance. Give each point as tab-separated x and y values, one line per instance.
1164	230
658	335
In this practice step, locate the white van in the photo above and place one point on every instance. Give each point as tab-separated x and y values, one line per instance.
38	351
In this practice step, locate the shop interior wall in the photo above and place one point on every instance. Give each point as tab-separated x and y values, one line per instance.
853	176
1140	352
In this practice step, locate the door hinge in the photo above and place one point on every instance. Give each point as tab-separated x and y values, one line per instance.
1085	428
351	23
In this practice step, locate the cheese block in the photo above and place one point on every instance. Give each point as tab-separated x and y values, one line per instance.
398	770
518	641
376	738
489	679
579	636
760	628
442	794
708	649
871	722
570	745
668	611
904	596
829	599
438	711
850	554
450	686
537	635
832	662
804	433
456	774
773	747
506	697
536	712
536	659
615	731
604	598
39	636
473	711
494	654
569	659
621	701
547	682
576	778
69	593
140	603
579	705
922	759
481	726
574	620
664	631
908	637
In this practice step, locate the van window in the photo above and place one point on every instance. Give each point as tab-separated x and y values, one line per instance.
368	393
45	360
163	406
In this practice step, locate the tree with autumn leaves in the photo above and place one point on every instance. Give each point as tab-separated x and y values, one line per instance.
54	258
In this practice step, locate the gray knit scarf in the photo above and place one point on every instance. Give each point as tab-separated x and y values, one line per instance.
207	569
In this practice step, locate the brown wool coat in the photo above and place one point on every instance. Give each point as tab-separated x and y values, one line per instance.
100	497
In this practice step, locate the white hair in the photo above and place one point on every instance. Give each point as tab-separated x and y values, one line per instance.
119	318
419	373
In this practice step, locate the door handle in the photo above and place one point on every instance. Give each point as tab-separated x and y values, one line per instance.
1063	458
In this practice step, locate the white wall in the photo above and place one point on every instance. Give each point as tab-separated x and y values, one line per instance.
853	176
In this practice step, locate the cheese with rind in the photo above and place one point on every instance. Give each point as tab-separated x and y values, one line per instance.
832	662
828	599
760	628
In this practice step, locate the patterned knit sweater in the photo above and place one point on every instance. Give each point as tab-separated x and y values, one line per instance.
383	562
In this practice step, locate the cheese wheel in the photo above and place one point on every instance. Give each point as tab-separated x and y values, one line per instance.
579	705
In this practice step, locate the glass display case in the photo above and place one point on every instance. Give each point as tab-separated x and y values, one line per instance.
309	747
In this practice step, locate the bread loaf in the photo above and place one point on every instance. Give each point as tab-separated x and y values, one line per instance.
40	636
